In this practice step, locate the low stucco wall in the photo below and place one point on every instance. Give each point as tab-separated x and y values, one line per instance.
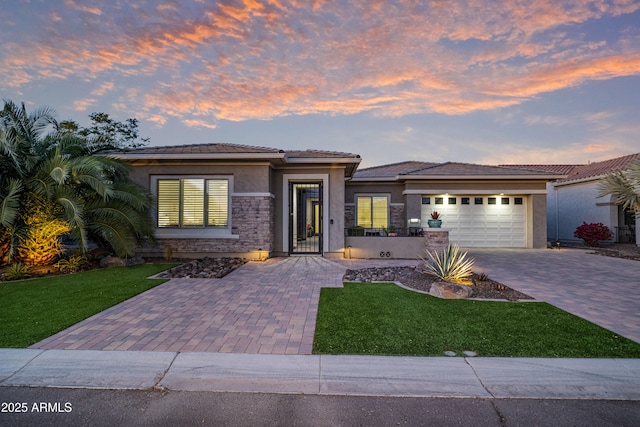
360	247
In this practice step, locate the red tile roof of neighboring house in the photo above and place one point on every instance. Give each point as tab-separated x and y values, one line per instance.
591	170
562	169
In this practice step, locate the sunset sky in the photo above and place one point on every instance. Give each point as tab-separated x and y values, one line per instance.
481	81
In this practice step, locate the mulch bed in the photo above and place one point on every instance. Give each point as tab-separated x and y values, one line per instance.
412	278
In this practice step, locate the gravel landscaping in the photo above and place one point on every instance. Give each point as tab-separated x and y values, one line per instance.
412	278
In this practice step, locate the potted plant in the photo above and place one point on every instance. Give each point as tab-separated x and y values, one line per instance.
435	220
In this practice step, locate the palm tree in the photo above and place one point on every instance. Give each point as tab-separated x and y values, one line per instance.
91	194
624	187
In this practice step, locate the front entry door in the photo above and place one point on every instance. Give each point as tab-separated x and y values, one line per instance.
305	217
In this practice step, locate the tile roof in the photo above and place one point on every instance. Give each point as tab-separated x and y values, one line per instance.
454	168
592	170
319	154
204	149
391	170
561	169
414	169
223	148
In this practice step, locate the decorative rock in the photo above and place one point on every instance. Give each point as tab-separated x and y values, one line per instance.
206	268
450	353
134	261
470	353
450	291
112	261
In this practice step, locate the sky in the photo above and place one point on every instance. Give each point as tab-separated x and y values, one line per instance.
477	81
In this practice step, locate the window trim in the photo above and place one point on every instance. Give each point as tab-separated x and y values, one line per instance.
371	195
193	231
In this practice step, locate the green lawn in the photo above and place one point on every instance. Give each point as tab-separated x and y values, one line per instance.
31	310
384	319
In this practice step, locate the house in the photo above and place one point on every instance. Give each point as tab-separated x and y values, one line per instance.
238	200
574	199
255	202
480	205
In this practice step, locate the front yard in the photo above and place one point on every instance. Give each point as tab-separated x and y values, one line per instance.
31	310
361	318
383	319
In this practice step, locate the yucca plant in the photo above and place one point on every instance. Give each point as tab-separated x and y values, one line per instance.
448	265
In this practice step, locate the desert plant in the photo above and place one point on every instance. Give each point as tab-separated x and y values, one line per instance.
73	263
41	243
482	277
91	194
435	215
449	264
624	187
592	234
16	271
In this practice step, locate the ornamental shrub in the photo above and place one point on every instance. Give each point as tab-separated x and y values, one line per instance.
592	234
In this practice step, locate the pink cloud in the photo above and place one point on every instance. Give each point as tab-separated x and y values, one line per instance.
238	60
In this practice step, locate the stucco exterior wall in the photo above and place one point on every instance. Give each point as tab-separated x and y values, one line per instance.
537	217
248	177
571	205
334	219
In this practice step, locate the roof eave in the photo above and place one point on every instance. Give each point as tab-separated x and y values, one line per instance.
551	177
199	156
580	180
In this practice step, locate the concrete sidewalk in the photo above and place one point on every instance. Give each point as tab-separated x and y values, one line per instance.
609	379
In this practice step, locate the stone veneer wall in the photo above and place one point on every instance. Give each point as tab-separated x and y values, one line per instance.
435	240
398	219
349	215
252	218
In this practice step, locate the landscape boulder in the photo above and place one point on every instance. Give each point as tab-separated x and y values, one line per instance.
450	290
113	261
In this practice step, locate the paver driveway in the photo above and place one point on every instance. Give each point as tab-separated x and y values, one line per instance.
264	307
603	290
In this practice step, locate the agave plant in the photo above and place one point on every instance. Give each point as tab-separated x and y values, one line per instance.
448	265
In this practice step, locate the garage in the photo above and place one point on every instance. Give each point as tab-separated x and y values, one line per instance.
480	220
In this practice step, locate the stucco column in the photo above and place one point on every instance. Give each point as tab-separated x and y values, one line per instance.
413	207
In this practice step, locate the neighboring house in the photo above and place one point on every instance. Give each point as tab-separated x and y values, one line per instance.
255	202
573	200
481	206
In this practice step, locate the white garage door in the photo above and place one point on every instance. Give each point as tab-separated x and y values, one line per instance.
480	221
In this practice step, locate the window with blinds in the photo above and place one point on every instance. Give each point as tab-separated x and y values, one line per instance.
372	211
193	202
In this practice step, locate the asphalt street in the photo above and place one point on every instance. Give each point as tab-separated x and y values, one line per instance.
90	407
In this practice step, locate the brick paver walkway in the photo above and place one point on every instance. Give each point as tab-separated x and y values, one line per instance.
264	307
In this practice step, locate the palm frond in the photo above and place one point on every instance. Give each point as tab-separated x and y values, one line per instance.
122	243
10	202
623	186
73	214
132	194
